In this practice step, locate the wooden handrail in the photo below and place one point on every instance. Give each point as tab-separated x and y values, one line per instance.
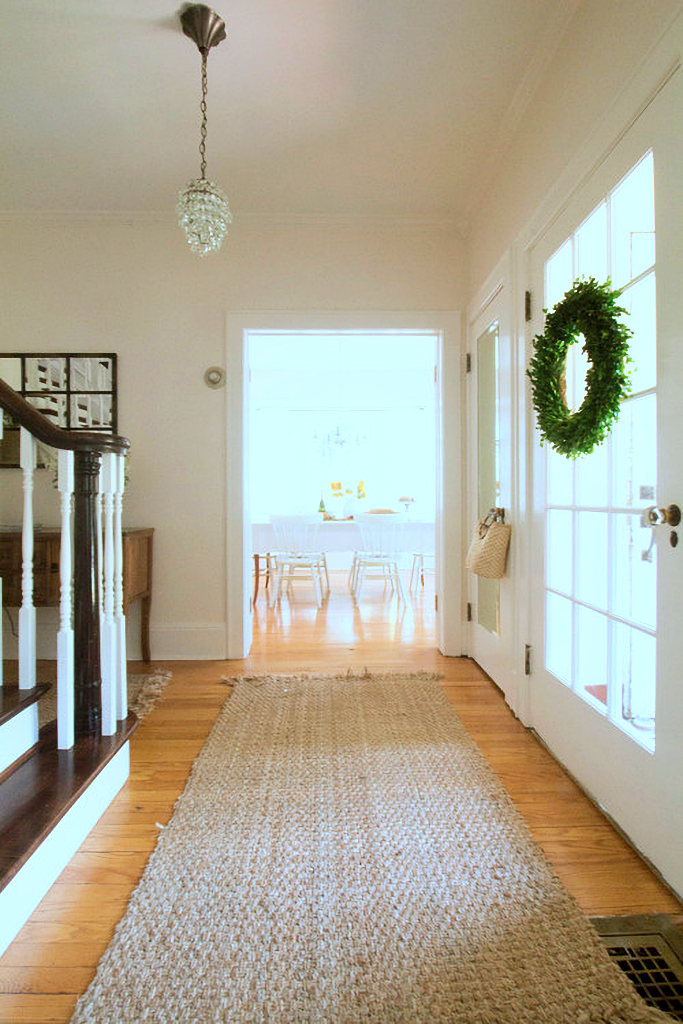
45	431
88	448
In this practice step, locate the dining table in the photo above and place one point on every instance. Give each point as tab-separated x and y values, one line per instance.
339	538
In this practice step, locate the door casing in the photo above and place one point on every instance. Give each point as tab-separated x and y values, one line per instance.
450	434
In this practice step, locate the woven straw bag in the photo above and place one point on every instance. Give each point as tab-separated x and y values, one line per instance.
488	548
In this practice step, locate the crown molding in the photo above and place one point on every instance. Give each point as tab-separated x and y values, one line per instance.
84	216
251	219
353	220
544	53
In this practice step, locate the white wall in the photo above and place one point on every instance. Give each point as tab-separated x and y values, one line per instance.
135	289
605	43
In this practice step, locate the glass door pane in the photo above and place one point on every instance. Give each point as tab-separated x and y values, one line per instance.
601	567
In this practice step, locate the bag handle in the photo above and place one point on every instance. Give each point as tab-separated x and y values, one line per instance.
494	515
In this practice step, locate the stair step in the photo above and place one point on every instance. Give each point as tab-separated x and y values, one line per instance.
13	700
37	793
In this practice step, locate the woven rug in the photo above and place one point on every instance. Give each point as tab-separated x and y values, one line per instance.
143	693
343	853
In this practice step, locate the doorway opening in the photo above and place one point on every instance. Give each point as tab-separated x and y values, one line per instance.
444	331
344	423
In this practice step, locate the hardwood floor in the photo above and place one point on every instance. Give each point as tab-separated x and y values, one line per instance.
54	956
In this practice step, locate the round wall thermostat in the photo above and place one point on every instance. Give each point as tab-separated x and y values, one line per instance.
214	377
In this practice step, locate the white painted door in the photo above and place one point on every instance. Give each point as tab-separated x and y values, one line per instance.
491	609
605	692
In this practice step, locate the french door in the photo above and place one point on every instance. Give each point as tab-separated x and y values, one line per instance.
605	691
491	608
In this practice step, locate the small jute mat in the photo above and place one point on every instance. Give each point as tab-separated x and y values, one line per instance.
143	693
343	853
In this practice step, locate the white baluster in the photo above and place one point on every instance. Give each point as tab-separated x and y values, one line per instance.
119	617
27	612
107	624
65	637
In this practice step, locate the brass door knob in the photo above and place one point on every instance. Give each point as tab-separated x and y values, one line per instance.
671	515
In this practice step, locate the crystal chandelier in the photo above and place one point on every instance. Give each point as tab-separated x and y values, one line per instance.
203	211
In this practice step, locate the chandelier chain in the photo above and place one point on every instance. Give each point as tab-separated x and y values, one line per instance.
202	107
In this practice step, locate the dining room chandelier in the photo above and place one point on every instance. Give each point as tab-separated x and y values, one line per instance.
203	211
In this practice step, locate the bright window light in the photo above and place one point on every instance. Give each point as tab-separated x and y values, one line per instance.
349	408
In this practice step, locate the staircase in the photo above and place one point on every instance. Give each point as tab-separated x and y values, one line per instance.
56	781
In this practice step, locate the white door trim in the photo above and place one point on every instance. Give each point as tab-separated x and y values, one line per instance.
449	519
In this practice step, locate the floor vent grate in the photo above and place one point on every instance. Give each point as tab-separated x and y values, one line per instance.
649	950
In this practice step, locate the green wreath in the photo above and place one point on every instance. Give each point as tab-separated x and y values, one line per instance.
590	309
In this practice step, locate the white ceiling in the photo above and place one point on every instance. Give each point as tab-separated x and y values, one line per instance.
330	108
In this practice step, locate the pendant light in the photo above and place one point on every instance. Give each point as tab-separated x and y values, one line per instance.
203	211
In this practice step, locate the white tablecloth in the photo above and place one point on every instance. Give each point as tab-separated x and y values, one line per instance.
340	538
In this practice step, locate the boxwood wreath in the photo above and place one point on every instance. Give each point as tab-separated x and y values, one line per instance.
590	309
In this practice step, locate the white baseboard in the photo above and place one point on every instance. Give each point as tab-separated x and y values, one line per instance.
21	896
173	641
188	641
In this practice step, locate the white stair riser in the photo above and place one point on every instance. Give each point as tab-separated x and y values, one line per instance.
18	735
22	895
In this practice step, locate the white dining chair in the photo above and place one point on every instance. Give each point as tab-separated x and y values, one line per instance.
297	555
424	564
381	547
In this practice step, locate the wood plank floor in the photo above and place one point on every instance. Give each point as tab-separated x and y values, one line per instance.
54	956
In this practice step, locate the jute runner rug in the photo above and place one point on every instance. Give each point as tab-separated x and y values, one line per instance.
143	693
343	853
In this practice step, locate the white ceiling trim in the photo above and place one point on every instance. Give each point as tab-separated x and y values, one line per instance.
265	220
547	47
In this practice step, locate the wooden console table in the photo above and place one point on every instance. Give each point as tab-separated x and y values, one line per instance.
137	572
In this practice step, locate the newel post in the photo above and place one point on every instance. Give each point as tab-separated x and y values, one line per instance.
87	672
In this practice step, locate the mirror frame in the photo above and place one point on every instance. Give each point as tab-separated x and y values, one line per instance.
9	444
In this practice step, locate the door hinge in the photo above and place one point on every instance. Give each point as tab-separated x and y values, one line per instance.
468	363
436	602
469	611
527	659
436	375
527	306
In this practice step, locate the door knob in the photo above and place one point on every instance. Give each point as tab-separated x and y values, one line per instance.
669	516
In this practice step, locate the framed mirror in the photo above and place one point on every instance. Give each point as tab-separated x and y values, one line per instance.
76	390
